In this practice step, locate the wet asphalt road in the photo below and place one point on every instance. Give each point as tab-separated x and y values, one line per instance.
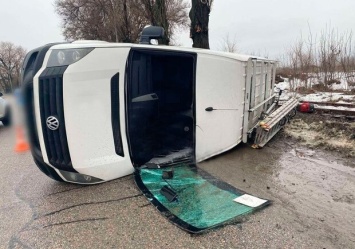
312	193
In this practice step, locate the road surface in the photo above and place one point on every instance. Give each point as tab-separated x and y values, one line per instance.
313	196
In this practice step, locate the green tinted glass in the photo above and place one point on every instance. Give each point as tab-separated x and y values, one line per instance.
202	201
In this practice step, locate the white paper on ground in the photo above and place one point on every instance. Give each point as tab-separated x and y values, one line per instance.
249	200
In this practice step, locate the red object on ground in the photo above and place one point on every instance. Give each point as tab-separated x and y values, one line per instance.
21	144
306	107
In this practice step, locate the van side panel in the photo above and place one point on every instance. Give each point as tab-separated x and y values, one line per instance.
220	84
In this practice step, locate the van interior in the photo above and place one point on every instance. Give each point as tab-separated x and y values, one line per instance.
160	107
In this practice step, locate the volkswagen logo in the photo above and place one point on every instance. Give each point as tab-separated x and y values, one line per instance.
52	123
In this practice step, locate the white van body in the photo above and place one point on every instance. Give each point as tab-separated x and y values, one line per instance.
226	88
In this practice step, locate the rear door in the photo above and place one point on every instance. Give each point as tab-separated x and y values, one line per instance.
220	86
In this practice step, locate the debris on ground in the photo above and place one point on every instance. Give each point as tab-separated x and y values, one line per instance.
317	131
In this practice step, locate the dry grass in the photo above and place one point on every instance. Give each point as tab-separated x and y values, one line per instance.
316	132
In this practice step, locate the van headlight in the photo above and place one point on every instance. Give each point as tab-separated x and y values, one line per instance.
66	57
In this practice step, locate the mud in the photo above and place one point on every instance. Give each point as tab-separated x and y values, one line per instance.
312	189
318	131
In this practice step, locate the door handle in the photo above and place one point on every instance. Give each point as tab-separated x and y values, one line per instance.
209	109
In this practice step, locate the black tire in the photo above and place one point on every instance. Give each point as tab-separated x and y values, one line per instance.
283	121
292	113
6	121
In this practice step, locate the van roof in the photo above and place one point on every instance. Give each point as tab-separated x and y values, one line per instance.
103	44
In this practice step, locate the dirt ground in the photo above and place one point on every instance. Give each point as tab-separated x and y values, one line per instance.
308	170
324	131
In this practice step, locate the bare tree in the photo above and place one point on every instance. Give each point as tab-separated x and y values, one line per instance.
97	20
229	44
156	13
347	58
329	51
326	60
177	14
301	60
200	15
11	58
119	20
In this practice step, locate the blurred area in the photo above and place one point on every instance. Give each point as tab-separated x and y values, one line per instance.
12	117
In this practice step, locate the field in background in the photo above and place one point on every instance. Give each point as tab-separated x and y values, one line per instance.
320	62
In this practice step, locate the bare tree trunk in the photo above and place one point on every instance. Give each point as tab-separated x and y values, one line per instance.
11	84
200	15
126	28
161	20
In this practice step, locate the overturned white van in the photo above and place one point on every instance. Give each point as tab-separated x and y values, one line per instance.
96	110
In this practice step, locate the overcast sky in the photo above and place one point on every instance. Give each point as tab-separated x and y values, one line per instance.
265	27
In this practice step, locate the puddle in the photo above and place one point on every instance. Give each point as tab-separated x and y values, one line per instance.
319	188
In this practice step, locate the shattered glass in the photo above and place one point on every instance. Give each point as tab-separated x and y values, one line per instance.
202	201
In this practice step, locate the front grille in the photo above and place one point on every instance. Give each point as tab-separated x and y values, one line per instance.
51	104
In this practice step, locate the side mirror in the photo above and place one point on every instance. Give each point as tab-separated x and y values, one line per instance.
151	32
1	94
